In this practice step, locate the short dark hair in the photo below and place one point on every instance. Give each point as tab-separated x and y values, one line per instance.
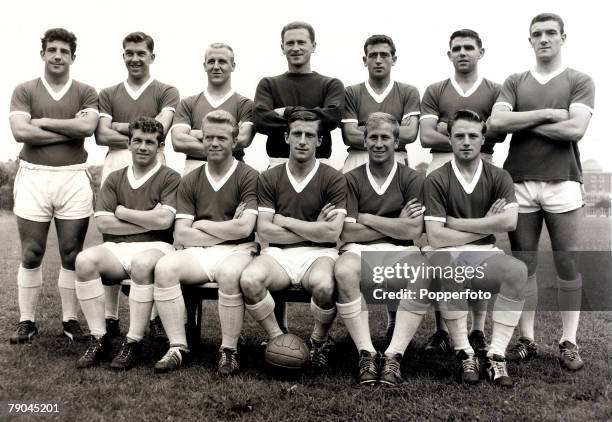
379	39
465	33
304	115
378	117
470	116
543	17
139	37
59	34
222	117
298	25
147	125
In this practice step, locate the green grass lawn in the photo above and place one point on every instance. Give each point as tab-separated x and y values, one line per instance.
44	371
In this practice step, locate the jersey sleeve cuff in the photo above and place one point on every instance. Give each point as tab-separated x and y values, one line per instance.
172	109
180	125
101	213
350	220
93	110
438	219
108	116
251	211
185	216
169	208
265	209
17	113
246	122
429	116
580	105
412	113
511	205
505	104
349	121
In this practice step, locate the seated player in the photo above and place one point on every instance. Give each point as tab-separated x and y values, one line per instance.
301	211
216	214
384	213
467	200
135	212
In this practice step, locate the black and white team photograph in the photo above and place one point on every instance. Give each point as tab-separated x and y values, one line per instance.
306	211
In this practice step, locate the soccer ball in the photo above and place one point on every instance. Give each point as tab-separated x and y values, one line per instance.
287	351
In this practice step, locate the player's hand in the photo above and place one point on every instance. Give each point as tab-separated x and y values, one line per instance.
442	128
239	210
412	209
119	211
278	219
37	122
497	207
558	115
325	213
280	111
196	133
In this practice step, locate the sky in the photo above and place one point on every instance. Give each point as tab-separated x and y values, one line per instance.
183	29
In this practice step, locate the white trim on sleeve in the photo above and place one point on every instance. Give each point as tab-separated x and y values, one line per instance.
88	109
511	205
581	105
108	116
438	219
23	113
180	125
350	220
250	211
101	213
412	113
429	116
503	103
349	121
172	109
185	216
264	209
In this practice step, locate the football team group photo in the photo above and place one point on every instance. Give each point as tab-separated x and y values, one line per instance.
196	266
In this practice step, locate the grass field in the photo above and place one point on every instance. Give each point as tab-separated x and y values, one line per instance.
44	371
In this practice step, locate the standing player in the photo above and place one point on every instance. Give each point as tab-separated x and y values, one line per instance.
217	210
139	95
186	128
467	201
277	96
547	110
134	212
51	116
466	89
384	213
301	211
379	93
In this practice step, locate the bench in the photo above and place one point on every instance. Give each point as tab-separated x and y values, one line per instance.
194	295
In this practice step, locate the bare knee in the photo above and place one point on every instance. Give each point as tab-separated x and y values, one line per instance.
32	254
142	269
87	265
322	287
348	280
68	254
565	264
252	281
228	279
513	275
166	271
